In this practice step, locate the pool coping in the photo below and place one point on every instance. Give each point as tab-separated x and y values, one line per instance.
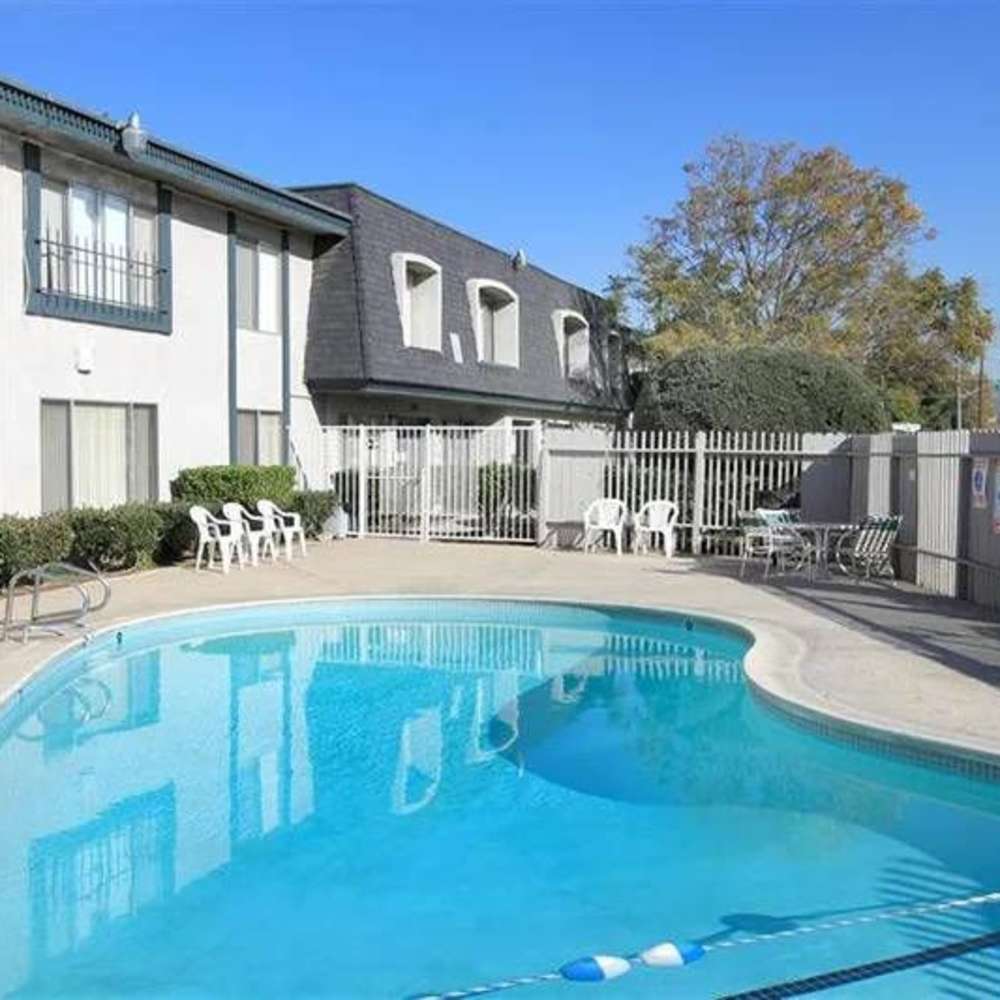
771	666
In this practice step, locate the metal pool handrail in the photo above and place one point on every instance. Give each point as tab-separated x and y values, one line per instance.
53	621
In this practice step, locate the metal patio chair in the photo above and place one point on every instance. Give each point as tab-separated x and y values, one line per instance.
867	552
777	544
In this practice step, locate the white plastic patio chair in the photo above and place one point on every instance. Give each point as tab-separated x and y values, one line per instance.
604	515
655	517
283	523
257	538
215	535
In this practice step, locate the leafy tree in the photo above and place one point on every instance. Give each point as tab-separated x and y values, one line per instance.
772	244
920	336
782	246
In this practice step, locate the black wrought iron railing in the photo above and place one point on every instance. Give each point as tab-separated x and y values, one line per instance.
99	273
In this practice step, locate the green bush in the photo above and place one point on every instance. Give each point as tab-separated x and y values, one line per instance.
246	484
758	388
178	534
116	538
31	541
315	506
504	487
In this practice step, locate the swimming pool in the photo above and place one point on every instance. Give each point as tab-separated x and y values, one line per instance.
390	798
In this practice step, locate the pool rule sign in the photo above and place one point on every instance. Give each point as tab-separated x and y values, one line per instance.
996	496
980	476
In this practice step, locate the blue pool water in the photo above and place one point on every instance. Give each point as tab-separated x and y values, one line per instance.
385	798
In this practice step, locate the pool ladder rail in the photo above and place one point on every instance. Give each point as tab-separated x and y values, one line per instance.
58	620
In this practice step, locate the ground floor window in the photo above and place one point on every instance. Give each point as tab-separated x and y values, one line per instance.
259	438
97	454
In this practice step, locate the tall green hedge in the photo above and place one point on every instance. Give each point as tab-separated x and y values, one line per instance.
245	484
758	388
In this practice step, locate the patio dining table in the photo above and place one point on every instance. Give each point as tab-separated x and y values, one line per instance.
822	532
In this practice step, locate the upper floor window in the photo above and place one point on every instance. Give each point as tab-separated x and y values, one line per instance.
97	243
258	286
495	321
573	343
98	246
418	295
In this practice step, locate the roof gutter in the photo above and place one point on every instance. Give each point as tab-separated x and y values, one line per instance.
58	123
409	391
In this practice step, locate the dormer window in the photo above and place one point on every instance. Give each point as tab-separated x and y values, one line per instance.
494	309
418	296
572	333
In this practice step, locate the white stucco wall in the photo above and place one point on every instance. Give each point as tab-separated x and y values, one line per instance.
184	374
307	438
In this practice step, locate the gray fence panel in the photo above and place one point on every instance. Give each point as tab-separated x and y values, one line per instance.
825	488
941	514
573	464
904	502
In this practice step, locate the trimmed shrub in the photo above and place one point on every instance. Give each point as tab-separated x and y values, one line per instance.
315	506
31	541
116	538
758	388
245	484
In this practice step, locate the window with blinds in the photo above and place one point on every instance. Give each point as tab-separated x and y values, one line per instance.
258	438
258	287
97	454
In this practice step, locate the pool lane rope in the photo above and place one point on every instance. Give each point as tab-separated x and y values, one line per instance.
668	954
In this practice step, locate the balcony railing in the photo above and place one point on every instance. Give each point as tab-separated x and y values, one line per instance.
98	274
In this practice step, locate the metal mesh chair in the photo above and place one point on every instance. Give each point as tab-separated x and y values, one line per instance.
867	552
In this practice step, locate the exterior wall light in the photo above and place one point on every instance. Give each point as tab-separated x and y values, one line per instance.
134	137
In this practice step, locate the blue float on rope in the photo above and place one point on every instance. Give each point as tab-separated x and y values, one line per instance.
595	968
667	954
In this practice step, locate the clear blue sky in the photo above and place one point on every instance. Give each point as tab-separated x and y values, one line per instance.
555	127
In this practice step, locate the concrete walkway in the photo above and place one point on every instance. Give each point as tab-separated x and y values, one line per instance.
880	657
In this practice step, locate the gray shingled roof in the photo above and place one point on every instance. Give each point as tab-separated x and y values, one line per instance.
355	336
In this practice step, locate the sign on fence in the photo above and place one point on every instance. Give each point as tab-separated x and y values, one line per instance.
980	475
996	496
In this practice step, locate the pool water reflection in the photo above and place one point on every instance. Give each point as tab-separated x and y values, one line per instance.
380	798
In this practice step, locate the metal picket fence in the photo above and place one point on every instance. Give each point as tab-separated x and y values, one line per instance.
531	484
455	483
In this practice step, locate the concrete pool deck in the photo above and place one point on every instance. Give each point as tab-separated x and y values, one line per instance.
878	657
